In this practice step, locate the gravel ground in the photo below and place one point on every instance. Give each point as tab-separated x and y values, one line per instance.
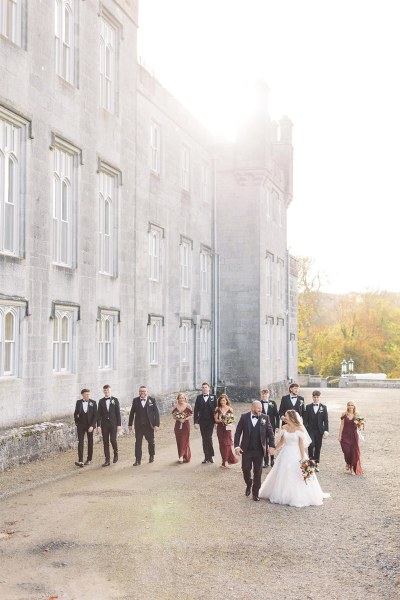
165	531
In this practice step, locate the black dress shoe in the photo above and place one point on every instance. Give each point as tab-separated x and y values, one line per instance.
248	488
205	462
265	466
79	464
256	499
106	464
115	459
151	459
211	459
135	464
272	463
88	462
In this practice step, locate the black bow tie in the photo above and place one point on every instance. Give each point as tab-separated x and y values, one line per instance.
205	397
294	397
85	400
254	416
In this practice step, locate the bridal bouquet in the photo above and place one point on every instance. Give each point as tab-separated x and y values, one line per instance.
180	416
227	419
360	422
308	467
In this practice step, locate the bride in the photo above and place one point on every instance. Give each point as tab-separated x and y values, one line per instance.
285	484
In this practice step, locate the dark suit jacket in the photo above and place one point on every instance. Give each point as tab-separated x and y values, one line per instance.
272	412
113	415
243	431
151	410
91	413
286	404
198	415
322	418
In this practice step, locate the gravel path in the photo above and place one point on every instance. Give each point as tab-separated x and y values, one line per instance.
165	531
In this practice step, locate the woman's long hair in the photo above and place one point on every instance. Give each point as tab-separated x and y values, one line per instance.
228	402
293	417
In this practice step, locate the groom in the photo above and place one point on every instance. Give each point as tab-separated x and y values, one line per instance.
253	434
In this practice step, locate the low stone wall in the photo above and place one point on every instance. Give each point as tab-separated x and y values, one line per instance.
347	382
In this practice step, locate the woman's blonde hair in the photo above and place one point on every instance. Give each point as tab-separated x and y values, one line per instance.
181	394
355	411
293	417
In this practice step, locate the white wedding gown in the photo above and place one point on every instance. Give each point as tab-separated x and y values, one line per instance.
284	483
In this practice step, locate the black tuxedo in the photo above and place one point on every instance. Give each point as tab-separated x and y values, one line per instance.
316	424
146	418
270	408
83	421
204	416
287	404
254	441
109	420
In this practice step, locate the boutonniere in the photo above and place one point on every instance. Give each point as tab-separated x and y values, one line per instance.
90	403
301	402
321	409
270	403
150	403
263	421
112	402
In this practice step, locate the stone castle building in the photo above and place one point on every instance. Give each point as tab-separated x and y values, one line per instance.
133	247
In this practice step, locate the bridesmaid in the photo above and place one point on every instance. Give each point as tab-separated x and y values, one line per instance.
348	438
224	435
182	427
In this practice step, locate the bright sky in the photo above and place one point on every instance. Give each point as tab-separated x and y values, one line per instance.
333	67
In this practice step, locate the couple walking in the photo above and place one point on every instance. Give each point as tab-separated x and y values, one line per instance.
284	484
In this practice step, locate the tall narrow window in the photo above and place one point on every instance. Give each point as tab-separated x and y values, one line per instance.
185	169
268	202
154	333
155	234
10	315
11	20
205	182
64	319
107	222
205	341
10	154
64	38
106	336
155	148
268	275
62	334
279	338
280	278
9	342
184	342
108	64
185	262
62	207
268	338
204	270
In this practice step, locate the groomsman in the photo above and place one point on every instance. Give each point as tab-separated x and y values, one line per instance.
269	408
292	401
109	420
85	417
316	423
253	439
147	420
204	416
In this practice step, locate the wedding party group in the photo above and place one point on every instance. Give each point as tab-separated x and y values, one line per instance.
288	439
